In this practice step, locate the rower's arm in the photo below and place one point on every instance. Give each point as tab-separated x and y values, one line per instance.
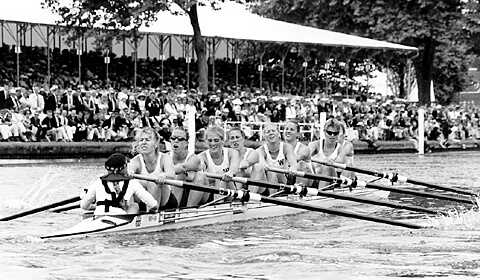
144	195
342	154
89	198
133	166
168	167
312	146
290	156
194	163
234	158
251	159
303	154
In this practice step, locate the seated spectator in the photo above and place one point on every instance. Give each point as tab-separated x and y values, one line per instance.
49	130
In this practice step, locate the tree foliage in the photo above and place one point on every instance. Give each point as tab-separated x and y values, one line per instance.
442	30
125	17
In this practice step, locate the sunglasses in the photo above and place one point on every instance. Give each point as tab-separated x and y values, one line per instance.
175	138
332	133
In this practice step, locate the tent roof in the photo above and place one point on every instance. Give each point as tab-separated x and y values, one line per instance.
232	21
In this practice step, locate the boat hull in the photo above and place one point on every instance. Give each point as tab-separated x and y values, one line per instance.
191	217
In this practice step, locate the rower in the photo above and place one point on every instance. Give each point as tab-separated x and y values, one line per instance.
150	161
249	166
301	151
276	154
219	159
188	167
328	150
349	150
115	192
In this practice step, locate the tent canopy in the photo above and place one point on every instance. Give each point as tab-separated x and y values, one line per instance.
231	21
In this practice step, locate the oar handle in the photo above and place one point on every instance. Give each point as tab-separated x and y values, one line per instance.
219	177
332	164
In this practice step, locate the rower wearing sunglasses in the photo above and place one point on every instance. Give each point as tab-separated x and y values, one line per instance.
188	167
328	150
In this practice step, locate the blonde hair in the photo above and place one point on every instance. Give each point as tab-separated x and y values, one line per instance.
145	130
216	130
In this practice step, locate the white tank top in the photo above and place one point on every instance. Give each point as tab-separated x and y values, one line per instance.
189	155
280	161
297	147
320	155
144	171
218	169
247	152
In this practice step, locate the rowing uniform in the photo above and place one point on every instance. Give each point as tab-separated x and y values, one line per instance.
188	174
321	156
172	201
280	161
116	201
224	167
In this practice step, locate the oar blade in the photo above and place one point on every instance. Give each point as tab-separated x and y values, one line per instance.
40	209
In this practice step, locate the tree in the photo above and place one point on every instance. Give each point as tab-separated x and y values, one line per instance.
433	26
126	17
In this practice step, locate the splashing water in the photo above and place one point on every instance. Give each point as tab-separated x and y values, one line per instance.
468	219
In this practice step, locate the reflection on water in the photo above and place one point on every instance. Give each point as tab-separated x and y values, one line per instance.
307	246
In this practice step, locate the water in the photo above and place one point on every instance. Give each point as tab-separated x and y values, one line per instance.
305	246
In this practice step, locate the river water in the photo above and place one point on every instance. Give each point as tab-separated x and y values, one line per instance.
304	246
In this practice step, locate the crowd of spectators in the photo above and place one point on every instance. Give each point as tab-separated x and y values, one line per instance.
93	111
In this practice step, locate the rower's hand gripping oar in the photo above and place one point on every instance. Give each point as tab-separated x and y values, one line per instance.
393	177
40	209
249	196
305	191
357	183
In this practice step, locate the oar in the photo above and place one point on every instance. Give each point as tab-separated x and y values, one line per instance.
66	208
248	196
394	177
43	208
355	183
302	190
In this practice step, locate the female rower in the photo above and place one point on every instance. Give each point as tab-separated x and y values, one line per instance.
115	192
328	150
188	167
218	159
249	159
150	161
301	151
275	153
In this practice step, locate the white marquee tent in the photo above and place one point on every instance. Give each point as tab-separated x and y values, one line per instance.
232	21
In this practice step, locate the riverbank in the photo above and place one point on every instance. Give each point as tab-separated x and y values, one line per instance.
64	150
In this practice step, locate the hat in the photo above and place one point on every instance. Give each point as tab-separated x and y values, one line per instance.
116	163
141	94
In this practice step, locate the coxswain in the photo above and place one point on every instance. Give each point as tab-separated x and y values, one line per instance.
115	192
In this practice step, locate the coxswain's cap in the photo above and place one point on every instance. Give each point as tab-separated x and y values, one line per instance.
116	163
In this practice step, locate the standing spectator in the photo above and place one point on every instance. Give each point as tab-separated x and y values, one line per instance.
153	105
50	102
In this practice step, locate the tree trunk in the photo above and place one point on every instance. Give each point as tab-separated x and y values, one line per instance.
200	50
424	69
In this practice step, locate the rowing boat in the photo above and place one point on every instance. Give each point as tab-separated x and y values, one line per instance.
198	216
